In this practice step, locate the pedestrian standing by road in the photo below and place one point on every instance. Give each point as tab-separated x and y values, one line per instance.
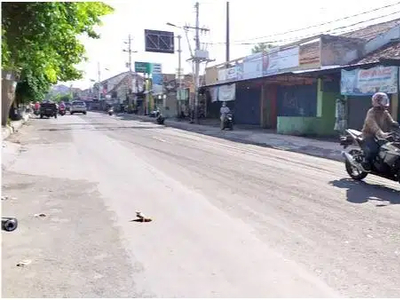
224	110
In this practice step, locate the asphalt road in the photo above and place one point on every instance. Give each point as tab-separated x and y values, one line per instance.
228	219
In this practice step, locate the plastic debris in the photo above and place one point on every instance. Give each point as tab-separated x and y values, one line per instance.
41	215
24	262
141	217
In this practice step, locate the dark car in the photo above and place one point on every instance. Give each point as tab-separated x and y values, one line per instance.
48	109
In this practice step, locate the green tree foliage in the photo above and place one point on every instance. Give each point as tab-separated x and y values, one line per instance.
40	41
64	97
261	47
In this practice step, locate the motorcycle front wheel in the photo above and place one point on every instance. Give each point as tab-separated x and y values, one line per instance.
353	171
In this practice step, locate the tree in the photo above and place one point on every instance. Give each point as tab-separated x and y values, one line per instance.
261	47
40	42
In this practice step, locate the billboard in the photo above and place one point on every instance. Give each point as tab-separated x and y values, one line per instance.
159	41
147	68
276	61
364	82
253	66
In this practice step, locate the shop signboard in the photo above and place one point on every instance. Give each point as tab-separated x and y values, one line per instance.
364	82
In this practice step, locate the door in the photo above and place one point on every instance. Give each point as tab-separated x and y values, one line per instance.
248	106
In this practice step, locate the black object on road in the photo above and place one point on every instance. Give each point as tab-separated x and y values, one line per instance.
48	109
9	224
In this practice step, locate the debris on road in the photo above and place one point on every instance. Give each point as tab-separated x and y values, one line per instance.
24	263
41	215
8	198
141	217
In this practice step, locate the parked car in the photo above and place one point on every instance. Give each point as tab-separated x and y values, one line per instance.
78	107
68	106
48	109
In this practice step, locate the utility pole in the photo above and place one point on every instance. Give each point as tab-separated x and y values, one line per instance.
197	57
179	65
99	79
197	66
227	33
130	51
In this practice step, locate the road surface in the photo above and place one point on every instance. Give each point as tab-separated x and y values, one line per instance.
228	219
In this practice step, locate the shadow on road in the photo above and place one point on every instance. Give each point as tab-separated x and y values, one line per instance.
361	192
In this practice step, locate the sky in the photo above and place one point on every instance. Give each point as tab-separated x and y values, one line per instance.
251	21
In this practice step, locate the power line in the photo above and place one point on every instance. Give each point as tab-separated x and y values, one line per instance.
342	29
318	25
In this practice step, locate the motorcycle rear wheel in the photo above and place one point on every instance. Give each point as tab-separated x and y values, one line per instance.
351	170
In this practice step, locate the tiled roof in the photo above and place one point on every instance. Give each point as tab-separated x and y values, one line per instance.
389	51
310	53
370	32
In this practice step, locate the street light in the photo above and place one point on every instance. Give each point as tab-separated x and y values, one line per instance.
179	58
173	25
99	78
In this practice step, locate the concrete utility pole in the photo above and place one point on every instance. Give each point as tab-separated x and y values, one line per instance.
99	79
179	64
130	51
197	66
197	57
197	60
227	32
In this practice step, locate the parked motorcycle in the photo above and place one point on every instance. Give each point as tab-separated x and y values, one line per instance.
386	164
62	111
228	122
160	119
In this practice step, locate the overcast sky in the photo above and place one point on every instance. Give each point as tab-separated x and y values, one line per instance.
252	21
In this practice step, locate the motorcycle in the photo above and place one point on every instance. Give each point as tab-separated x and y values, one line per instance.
228	122
61	111
160	119
386	164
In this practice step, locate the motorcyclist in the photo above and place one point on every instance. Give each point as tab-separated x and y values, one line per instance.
37	105
376	126
224	111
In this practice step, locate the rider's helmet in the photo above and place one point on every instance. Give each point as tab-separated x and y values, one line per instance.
380	100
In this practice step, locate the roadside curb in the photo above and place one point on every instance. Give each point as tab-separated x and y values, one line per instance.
297	145
14	127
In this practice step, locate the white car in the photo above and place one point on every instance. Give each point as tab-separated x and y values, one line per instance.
78	107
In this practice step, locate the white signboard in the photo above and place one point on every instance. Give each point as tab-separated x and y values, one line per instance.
222	74
227	92
276	61
253	66
231	73
289	58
